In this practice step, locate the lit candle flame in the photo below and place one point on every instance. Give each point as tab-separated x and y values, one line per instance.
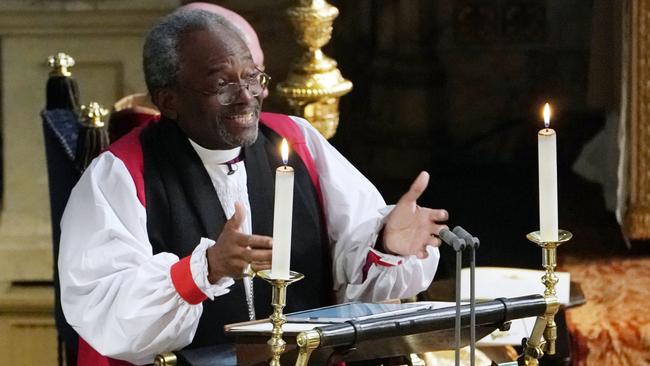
547	115
284	149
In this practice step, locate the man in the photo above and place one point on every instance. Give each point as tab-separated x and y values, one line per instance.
136	109
174	212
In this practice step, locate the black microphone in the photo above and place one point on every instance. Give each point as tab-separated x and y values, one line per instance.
469	239
459	245
451	239
472	243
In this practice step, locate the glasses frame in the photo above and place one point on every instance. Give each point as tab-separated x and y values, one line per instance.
263	78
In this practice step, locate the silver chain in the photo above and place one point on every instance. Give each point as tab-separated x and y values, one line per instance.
248	277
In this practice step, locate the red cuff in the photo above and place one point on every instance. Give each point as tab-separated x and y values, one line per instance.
184	283
374	258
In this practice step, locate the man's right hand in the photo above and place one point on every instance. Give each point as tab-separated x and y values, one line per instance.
234	250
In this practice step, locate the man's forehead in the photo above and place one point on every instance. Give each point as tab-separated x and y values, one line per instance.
214	46
217	65
245	30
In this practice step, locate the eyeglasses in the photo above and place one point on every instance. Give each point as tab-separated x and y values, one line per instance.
227	94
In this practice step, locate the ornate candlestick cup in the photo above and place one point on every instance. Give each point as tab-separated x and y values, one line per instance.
278	300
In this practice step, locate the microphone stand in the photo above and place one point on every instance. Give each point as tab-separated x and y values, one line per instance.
473	243
458	244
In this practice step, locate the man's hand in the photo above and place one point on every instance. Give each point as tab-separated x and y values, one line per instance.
234	250
410	228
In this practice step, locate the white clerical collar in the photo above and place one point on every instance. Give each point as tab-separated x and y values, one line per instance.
209	157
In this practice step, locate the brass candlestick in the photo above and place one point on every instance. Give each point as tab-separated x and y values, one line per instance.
278	300
545	326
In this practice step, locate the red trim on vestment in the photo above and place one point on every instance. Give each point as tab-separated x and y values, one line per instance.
87	356
374	258
284	126
184	283
123	121
129	150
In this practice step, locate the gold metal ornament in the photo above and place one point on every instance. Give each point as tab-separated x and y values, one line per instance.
307	342
60	64
93	114
314	84
278	300
165	359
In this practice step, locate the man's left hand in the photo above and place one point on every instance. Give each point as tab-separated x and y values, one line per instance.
410	228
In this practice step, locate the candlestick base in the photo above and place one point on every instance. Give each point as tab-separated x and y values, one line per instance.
278	300
534	347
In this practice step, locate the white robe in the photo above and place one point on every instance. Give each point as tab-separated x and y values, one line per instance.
120	298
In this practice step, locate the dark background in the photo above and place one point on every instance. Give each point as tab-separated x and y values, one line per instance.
456	88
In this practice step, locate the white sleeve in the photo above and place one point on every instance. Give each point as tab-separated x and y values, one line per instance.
115	293
355	213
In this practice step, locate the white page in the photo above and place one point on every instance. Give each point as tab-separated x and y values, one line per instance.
494	282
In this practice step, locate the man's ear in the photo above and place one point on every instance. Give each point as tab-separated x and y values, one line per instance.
167	101
265	92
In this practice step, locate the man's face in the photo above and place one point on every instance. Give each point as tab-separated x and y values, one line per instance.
208	61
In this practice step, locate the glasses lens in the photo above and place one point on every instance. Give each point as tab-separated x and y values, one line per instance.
255	85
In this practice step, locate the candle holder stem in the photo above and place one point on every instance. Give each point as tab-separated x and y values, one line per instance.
545	326
549	262
278	301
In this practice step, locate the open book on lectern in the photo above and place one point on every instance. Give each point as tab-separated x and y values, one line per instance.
340	313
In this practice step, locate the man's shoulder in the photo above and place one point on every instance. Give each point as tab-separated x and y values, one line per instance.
275	120
291	127
129	146
128	149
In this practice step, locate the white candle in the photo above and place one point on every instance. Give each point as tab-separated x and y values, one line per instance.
282	217
547	159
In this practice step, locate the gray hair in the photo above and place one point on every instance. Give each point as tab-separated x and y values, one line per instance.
160	58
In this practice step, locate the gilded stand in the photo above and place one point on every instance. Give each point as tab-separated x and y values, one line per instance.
314	84
278	300
544	334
